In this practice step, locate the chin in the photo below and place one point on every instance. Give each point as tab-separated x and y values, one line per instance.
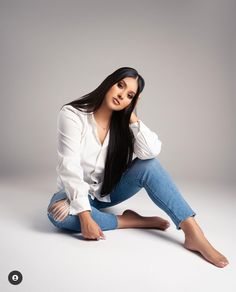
116	109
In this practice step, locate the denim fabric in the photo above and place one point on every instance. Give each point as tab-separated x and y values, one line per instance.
148	174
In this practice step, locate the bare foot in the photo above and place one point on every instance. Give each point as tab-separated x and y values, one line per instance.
145	222
200	244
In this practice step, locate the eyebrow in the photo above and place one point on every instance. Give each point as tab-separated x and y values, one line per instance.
126	86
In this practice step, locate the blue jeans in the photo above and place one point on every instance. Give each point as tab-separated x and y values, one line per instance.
147	174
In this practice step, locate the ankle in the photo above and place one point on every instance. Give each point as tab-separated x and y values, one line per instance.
191	228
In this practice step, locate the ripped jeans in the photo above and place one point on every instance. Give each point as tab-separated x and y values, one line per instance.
148	174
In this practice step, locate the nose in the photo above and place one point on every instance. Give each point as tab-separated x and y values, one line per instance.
120	96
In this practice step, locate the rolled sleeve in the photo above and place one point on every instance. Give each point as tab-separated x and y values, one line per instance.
146	144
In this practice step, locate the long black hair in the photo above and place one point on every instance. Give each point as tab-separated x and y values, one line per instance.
121	140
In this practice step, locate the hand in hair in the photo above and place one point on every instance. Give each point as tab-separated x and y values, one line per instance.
133	117
137	100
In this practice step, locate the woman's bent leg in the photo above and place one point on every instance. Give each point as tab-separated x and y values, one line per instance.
158	184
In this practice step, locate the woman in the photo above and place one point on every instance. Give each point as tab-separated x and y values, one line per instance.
106	155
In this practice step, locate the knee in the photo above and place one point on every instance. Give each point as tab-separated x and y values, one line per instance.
148	169
57	224
149	164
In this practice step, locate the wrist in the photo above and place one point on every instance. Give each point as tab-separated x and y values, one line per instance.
85	215
133	118
133	121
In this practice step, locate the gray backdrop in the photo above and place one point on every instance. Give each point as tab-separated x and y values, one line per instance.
55	51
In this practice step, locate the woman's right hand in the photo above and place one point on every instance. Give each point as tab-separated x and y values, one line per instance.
89	228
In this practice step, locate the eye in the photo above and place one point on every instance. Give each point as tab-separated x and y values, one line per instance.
119	84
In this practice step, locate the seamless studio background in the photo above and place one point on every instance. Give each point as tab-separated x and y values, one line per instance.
55	51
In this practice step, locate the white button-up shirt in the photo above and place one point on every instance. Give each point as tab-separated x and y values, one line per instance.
81	156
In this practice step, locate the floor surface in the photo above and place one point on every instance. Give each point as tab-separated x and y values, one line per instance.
129	259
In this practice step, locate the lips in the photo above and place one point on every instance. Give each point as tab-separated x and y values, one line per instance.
116	100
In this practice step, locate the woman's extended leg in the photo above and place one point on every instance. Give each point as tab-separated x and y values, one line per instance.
164	193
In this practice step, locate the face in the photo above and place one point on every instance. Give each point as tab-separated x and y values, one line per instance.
123	91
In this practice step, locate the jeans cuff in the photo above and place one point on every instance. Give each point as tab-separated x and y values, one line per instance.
178	225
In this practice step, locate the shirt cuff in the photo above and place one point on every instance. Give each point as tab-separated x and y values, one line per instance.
79	206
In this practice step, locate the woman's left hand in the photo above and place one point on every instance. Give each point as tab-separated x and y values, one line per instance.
137	100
